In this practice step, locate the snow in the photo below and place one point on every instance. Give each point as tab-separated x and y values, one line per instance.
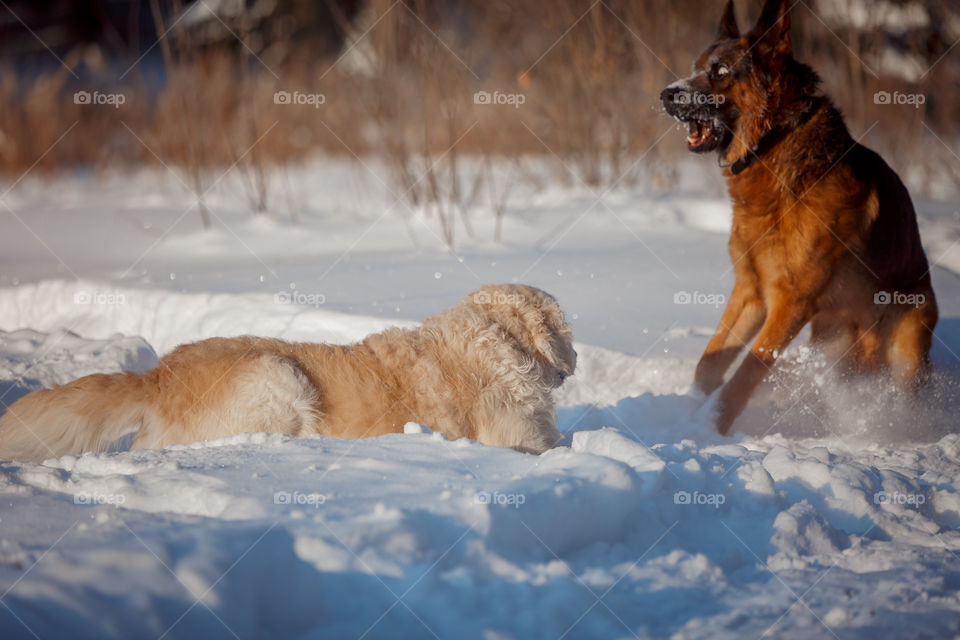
892	16
834	509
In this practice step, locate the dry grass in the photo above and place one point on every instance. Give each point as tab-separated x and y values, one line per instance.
589	76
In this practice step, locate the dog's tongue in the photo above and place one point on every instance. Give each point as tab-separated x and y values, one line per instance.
698	133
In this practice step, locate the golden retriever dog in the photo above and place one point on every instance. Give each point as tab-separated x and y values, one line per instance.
482	370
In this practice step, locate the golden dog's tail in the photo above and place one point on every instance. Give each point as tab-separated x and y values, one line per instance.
85	415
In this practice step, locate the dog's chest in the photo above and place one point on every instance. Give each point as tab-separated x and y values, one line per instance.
770	232
758	211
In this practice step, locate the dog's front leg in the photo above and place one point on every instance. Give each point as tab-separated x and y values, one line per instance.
742	319
784	321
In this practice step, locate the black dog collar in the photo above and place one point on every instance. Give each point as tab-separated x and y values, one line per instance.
770	139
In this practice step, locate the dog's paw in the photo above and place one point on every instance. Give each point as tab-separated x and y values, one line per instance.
707	412
715	414
705	379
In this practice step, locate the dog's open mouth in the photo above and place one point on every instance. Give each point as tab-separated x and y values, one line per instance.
700	134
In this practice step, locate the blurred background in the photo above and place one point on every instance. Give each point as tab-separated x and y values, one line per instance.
420	85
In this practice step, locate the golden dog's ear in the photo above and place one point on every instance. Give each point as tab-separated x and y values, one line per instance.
534	318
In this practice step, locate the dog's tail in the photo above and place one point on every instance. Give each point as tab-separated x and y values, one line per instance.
85	415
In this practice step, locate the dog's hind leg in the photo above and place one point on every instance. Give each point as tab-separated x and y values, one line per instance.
262	392
908	348
842	344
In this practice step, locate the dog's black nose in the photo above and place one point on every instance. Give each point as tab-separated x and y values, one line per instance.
669	95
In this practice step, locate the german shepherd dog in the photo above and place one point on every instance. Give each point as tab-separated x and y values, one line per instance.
823	230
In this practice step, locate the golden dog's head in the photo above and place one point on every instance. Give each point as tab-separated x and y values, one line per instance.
535	320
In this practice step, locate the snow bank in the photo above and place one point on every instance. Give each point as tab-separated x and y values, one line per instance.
166	319
833	511
647	524
396	535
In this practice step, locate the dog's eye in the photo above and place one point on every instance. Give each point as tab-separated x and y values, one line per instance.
720	70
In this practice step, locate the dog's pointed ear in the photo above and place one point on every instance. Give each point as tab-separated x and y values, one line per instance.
771	35
728	24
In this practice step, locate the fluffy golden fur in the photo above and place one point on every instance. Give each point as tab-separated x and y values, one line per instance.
482	370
